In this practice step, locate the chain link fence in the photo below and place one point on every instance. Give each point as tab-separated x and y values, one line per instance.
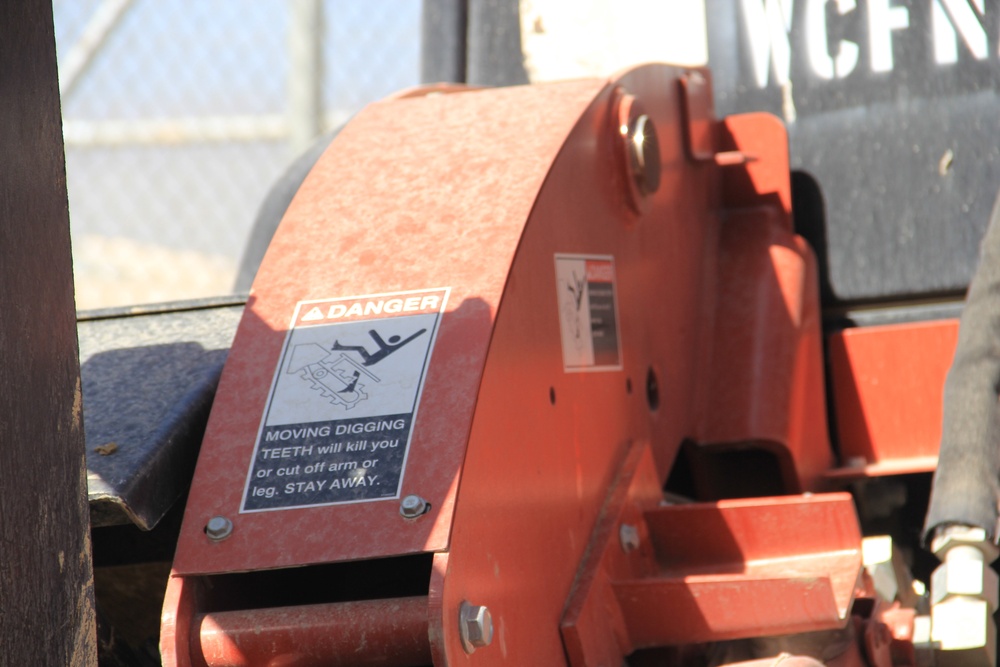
179	115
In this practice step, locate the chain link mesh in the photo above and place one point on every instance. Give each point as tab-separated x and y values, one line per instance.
176	120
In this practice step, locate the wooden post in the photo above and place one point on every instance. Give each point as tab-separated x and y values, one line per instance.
46	578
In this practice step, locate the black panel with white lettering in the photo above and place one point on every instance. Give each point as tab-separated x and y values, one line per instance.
891	110
344	398
328	462
603	322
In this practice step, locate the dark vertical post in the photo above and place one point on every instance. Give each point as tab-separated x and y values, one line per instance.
442	43
494	55
46	582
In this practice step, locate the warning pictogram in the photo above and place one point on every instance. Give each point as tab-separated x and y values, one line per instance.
588	312
338	376
338	421
334	376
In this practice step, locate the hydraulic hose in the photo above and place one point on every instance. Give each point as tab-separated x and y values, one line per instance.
966	489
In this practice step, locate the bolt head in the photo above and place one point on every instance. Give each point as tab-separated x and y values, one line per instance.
965	579
218	528
628	535
640	149
475	626
958	535
413	506
644	151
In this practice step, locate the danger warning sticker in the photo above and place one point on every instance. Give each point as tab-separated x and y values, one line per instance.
588	312
338	420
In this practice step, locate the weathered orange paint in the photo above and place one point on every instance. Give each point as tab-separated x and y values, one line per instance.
479	191
888	384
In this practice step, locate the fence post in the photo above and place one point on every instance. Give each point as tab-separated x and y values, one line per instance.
305	74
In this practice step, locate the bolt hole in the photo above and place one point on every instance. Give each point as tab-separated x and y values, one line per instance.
652	390
552	395
628	385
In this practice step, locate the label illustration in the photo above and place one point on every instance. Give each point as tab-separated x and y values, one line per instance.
588	312
338	421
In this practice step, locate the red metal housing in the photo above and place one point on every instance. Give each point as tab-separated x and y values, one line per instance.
888	390
519	441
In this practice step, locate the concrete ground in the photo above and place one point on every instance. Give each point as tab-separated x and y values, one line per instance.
119	271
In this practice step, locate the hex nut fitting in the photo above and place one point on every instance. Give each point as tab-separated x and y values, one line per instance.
953	536
413	506
218	528
963	624
964	576
964	592
888	570
475	625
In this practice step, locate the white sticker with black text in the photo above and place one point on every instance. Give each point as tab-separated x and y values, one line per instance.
338	420
588	312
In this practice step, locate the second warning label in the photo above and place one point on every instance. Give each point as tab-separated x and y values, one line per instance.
340	415
588	312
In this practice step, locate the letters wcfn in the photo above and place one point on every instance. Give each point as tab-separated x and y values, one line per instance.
768	25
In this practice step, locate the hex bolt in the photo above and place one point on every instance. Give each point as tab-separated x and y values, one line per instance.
644	154
475	625
413	506
218	528
629	537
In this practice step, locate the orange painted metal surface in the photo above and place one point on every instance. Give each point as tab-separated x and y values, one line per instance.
887	384
700	572
767	329
539	468
719	561
768	343
593	625
486	193
545	444
383	633
177	622
421	201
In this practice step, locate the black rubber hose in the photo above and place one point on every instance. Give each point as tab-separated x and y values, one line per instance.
966	488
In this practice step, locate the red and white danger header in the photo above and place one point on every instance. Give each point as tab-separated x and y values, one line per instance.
370	307
600	271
